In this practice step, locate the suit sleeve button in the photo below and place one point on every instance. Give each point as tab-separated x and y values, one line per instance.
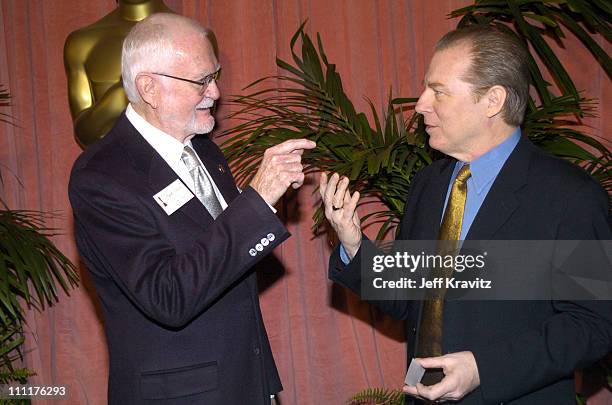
265	241
271	237
258	247
252	252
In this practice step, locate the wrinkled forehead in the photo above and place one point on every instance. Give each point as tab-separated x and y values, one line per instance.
194	48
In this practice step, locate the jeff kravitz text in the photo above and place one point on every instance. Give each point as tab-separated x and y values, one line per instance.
424	263
436	283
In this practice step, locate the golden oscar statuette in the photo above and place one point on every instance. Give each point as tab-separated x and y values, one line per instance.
92	58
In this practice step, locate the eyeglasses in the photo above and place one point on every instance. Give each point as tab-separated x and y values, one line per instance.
203	83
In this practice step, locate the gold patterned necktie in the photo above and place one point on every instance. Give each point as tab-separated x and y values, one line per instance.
203	186
430	330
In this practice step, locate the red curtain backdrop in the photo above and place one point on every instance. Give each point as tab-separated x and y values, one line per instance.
327	344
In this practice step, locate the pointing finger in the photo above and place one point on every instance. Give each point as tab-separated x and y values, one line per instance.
294	145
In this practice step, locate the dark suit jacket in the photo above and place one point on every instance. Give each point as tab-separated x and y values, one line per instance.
526	351
180	302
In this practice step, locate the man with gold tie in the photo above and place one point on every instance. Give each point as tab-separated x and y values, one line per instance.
493	185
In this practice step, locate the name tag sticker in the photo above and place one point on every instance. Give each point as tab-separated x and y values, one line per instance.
173	197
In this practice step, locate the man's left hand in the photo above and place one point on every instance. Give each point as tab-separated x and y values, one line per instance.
460	377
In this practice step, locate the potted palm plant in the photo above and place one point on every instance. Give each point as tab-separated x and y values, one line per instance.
31	268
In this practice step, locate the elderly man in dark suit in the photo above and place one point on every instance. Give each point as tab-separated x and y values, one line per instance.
494	185
169	239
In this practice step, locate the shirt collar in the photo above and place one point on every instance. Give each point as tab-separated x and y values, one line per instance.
486	168
168	147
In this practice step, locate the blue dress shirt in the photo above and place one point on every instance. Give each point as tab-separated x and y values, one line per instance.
484	172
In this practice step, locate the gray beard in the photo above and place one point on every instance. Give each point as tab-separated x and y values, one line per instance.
194	128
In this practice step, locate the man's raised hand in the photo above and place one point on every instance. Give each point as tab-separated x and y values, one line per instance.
340	211
280	168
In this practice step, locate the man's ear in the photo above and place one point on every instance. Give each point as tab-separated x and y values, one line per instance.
495	98
148	89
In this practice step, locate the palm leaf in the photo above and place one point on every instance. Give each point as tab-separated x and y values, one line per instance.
378	396
28	256
580	17
31	266
314	105
5	98
380	159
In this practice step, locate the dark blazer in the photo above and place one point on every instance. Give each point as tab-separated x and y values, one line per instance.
526	351
179	297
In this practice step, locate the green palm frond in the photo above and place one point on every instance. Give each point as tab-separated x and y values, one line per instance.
11	339
534	20
4	97
379	156
550	127
31	266
378	396
379	159
5	102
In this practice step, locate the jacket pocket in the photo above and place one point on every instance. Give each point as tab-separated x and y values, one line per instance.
179	382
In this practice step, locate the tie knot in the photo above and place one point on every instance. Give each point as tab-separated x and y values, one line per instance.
463	174
189	158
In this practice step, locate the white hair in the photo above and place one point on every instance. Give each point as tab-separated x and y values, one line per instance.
149	47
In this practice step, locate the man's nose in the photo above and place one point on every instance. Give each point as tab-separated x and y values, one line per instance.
212	90
423	105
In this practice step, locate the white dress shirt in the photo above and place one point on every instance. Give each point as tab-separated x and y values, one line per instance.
170	149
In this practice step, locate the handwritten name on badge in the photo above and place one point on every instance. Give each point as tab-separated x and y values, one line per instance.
173	197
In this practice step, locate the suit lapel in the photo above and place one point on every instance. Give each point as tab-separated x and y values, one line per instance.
157	172
431	205
502	201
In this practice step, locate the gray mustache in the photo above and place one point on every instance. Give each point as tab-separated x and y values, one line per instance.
206	103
